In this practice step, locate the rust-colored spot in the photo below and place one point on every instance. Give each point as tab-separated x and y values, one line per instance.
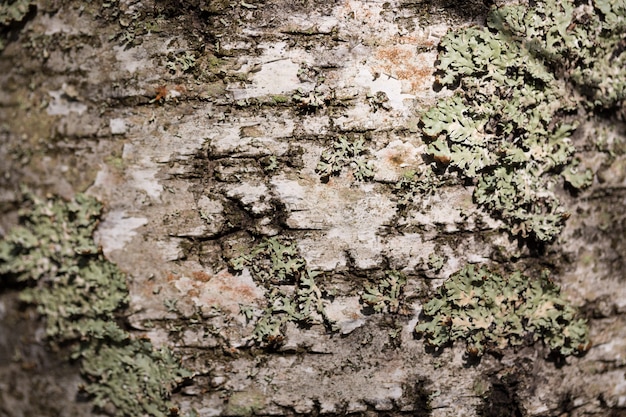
201	276
171	277
193	292
353	315
396	159
243	290
403	62
395	55
161	93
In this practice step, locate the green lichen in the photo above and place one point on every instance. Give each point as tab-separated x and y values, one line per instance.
312	101
80	294
492	312
508	128
345	153
435	261
386	295
413	186
133	376
293	296
14	10
585	42
181	62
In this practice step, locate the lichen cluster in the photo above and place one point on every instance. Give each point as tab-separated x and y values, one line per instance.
53	249
492	312
386	295
585	42
508	126
134	376
292	294
346	153
413	186
12	11
81	294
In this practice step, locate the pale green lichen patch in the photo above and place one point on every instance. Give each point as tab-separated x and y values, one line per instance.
386	295
81	294
585	41
346	153
14	10
492	312
75	288
414	186
292	294
181	62
508	128
135	377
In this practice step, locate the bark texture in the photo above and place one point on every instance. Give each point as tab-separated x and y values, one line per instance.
201	127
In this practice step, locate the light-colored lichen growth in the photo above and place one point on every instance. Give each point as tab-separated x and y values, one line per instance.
81	296
492	312
133	376
508	127
181	62
585	41
346	153
414	187
292	294
386	295
12	11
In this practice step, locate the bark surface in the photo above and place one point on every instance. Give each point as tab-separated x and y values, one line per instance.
201	127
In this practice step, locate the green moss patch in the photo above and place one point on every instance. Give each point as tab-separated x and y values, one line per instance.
81	295
492	312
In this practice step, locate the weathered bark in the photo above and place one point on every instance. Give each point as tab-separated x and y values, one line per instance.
200	127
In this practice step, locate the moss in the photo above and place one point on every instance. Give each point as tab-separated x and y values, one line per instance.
492	312
508	127
81	296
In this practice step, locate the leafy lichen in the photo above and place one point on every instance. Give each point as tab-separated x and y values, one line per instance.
346	153
584	41
133	376
413	186
386	296
492	312
81	294
293	296
508	128
181	62
12	11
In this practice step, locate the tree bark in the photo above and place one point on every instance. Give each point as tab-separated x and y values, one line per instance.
201	127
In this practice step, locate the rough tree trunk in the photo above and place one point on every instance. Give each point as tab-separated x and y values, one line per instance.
200	126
